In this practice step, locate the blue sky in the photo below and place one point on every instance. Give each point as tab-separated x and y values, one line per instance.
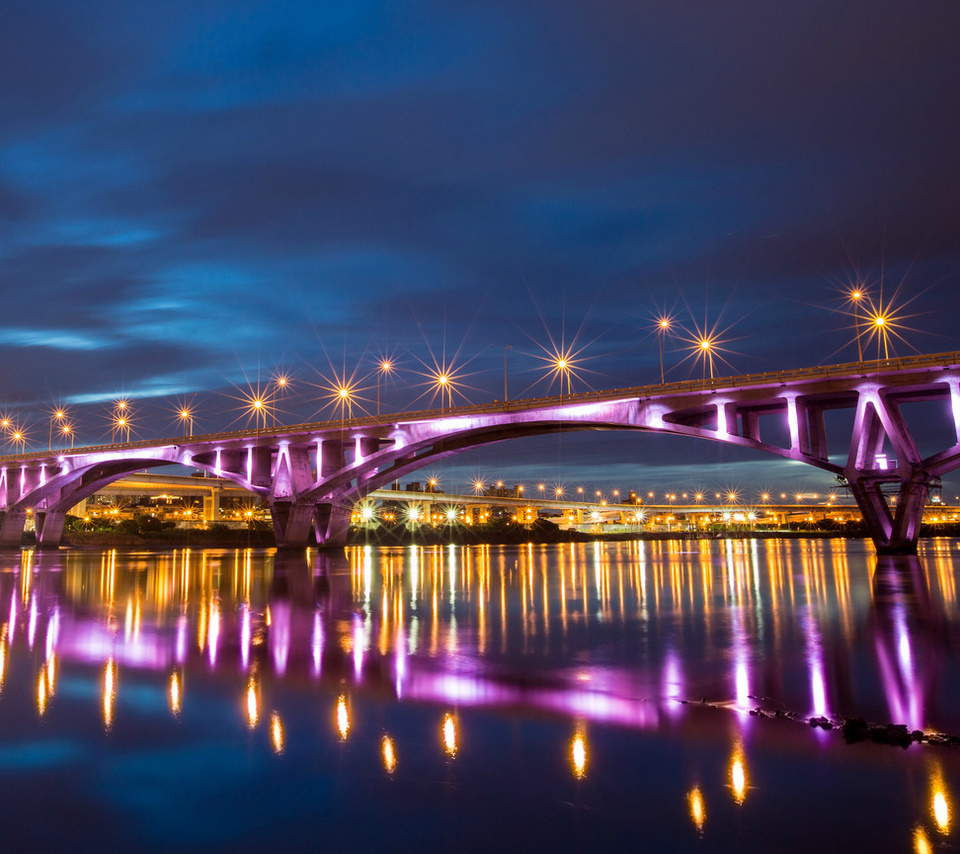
193	196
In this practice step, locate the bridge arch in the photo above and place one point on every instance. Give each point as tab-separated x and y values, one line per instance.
50	494
311	474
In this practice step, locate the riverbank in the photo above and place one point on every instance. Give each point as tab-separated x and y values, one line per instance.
540	533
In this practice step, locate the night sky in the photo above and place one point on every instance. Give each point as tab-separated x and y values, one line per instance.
195	197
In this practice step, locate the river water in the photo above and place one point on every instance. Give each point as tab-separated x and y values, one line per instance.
586	697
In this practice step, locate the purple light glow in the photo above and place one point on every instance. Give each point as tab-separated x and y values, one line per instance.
245	635
316	643
280	636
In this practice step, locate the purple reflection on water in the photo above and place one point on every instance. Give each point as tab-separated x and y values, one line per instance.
180	652
903	691
309	633
32	621
280	635
95	643
814	653
245	635
316	642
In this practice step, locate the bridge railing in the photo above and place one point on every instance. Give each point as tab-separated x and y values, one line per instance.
823	372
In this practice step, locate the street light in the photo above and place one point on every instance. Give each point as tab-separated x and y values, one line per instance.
507	347
58	414
855	296
121	425
282	383
67	430
184	413
383	369
706	351
121	420
186	416
663	326
442	382
879	321
563	369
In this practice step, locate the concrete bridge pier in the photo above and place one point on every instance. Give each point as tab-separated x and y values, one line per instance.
292	521
332	521
49	528
11	529
893	532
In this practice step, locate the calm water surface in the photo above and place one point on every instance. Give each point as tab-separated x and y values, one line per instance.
563	698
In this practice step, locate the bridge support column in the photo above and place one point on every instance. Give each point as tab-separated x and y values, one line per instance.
11	529
892	532
49	527
211	506
332	522
291	523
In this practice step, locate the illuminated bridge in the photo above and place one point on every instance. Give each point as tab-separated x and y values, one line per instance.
311	475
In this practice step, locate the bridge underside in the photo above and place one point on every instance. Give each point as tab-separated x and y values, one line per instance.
311	476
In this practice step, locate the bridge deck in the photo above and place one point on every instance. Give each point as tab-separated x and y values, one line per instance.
919	364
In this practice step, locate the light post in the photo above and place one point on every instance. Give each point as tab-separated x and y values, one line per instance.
282	383
186	416
122	426
880	324
443	383
507	347
58	415
706	351
344	401
563	368
121	420
662	327
383	369
855	297
65	431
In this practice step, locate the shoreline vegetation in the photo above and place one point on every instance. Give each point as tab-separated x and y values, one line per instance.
153	534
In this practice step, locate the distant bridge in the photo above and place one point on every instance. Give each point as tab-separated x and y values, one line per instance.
311	475
526	508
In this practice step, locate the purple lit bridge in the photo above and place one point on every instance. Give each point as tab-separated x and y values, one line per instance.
311	475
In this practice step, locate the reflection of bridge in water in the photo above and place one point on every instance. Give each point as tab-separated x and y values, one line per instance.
311	475
453	625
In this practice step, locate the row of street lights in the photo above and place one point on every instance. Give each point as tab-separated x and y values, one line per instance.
444	378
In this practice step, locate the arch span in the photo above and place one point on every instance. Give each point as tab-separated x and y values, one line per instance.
312	474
